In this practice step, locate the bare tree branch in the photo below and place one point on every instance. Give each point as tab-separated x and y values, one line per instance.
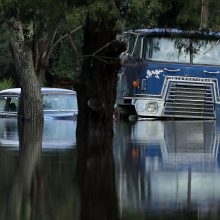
65	36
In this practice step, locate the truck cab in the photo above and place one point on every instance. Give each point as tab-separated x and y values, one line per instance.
170	73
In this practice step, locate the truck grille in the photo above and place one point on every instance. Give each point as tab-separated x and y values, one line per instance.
187	100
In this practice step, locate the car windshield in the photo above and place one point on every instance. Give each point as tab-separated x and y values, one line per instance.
51	102
59	102
182	50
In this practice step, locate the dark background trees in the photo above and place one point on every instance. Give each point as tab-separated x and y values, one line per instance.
169	13
33	35
60	62
43	31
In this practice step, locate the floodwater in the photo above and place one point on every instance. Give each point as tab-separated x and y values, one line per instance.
162	170
168	169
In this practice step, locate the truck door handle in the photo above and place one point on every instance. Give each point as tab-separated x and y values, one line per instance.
215	72
173	70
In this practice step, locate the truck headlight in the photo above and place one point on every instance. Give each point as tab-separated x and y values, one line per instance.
151	107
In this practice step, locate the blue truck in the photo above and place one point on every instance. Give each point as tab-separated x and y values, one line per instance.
170	73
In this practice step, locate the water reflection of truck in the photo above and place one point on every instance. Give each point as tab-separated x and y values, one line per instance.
170	166
170	73
179	144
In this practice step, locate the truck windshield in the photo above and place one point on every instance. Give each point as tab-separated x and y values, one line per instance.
182	50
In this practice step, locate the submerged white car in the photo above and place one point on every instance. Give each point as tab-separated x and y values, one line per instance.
57	103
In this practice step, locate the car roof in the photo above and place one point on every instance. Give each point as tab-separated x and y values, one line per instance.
44	90
173	31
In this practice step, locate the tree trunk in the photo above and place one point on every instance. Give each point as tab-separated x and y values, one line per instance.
204	14
97	90
96	98
30	106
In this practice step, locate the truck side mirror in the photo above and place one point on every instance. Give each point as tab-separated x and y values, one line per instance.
124	56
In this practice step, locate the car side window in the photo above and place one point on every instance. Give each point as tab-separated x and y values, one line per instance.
13	104
3	103
12	107
9	104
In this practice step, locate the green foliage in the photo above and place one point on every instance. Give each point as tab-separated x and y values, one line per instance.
76	17
6	84
27	10
63	63
214	19
135	14
64	59
5	55
183	14
158	13
102	10
40	19
7	68
189	16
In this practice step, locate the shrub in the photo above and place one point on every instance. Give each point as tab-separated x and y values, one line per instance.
6	84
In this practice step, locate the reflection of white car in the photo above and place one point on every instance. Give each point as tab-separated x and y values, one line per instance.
57	134
57	103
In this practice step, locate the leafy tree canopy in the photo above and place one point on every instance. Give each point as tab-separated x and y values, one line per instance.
183	14
42	17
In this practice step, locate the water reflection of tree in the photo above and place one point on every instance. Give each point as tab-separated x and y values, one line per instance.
192	46
43	186
96	177
28	167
